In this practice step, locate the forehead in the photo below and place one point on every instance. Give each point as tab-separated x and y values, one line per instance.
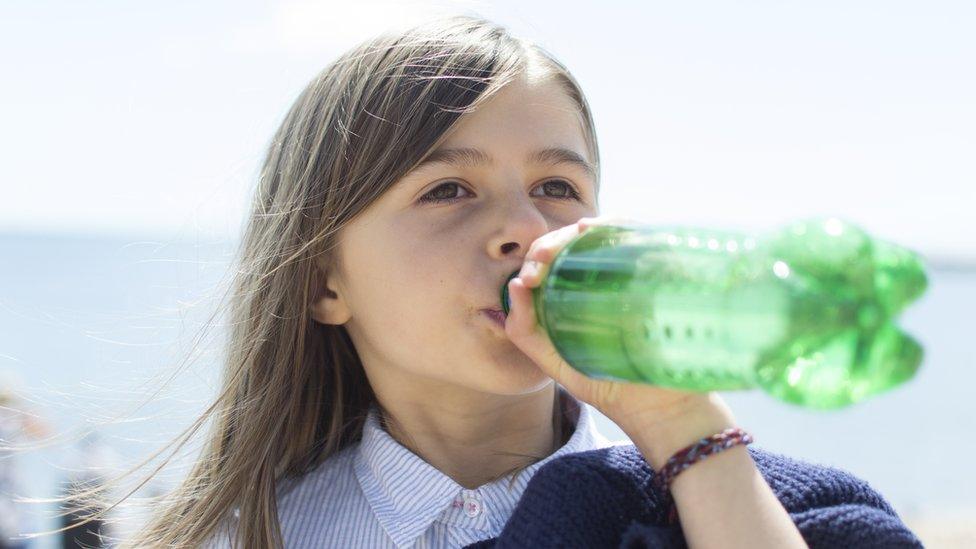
522	115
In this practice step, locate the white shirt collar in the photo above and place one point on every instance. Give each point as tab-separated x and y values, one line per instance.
407	494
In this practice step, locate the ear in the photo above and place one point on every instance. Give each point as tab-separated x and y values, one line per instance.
328	306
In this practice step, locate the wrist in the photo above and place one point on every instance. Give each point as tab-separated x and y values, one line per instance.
660	436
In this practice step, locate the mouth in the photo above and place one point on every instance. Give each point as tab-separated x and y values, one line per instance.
495	315
494	311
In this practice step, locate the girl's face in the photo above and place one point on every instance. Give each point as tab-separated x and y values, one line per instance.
422	263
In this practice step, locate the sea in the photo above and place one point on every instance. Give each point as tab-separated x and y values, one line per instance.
101	342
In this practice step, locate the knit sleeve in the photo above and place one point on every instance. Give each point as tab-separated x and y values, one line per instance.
605	498
837	526
640	536
830	507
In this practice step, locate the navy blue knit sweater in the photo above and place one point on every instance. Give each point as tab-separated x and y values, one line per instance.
604	498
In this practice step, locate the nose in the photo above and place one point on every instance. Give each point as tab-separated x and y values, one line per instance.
520	223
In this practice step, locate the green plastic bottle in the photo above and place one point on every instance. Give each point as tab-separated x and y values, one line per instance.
806	312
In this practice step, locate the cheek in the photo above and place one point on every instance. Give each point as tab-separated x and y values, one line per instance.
408	303
406	288
428	272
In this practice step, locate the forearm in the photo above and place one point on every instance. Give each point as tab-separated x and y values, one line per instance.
723	500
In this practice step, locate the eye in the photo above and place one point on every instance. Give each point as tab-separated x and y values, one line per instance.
569	193
438	196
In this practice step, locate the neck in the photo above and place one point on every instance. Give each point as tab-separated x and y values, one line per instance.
477	440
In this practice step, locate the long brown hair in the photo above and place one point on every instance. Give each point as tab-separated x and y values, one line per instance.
293	391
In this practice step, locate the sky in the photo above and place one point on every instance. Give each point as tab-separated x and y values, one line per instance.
150	119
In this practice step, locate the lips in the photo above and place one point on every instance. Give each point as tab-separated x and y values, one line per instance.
494	311
496	315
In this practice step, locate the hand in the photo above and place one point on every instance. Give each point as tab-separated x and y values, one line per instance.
634	407
660	421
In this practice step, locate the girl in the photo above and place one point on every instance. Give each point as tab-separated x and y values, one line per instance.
373	395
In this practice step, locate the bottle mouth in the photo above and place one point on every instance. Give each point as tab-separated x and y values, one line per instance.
506	305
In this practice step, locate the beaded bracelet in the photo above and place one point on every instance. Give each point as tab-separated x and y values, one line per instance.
692	454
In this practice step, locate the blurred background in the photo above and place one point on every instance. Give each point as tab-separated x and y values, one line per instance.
131	137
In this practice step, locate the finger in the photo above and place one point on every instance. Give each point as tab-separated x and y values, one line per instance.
544	248
521	320
523	330
543	251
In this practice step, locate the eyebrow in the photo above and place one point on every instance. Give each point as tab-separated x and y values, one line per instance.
465	157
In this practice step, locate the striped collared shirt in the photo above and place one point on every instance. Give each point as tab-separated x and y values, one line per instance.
378	493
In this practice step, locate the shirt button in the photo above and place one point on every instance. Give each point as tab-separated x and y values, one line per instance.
472	507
